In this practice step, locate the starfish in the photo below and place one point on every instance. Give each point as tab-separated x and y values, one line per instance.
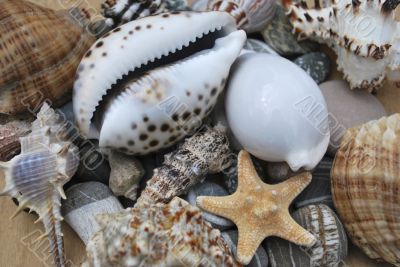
260	210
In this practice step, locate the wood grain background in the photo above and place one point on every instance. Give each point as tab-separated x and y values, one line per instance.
17	236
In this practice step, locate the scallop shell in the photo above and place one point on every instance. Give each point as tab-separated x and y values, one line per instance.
250	15
204	153
173	234
40	50
36	176
158	95
364	34
9	138
366	185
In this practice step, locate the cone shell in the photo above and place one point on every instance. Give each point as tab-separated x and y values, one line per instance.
40	50
366	186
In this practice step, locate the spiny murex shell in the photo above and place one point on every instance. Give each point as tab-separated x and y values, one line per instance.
36	176
363	33
158	92
366	185
173	234
40	50
201	154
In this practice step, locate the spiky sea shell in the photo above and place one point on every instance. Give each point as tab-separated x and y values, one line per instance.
158	95
250	15
40	50
36	176
366	185
173	234
364	34
204	153
9	138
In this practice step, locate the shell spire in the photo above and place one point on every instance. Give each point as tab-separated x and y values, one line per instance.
36	176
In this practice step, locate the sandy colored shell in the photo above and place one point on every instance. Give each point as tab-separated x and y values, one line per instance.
364	34
40	50
36	176
9	138
161	235
366	185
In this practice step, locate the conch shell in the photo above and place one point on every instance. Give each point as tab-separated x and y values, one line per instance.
154	93
36	176
366	185
162	235
364	34
40	50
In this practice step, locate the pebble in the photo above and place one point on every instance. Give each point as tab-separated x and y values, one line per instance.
258	46
329	250
278	171
278	34
210	189
348	108
177	5
260	258
316	64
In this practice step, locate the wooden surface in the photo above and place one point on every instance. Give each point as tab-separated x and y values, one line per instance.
17	237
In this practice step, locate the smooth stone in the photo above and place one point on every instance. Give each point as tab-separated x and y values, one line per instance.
278	171
85	201
319	190
316	64
278	34
177	5
260	259
258	46
210	189
329	250
348	108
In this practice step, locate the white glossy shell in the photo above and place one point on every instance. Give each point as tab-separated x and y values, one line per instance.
276	111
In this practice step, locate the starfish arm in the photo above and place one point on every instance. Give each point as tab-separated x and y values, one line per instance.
248	242
292	187
223	206
247	174
290	230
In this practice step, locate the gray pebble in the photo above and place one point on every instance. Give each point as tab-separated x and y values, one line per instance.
210	189
278	34
260	259
316	64
258	46
348	108
329	250
278	171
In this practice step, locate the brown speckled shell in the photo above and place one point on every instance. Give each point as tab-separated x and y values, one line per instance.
366	187
9	138
40	50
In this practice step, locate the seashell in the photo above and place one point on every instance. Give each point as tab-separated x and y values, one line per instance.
85	201
125	175
36	176
118	12
365	184
364	34
158	90
288	118
39	57
250	15
173	234
9	138
204	153
329	250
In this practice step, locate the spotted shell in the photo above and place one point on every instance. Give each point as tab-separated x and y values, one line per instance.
363	33
173	234
36	176
40	50
365	187
155	94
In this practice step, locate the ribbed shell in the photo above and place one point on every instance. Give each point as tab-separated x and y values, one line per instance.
40	50
366	185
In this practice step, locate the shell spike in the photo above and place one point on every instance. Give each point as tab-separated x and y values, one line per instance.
20	208
60	190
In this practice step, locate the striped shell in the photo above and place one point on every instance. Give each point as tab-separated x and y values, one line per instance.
36	176
9	138
366	185
364	34
40	50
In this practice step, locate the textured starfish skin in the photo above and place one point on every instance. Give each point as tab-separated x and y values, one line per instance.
260	210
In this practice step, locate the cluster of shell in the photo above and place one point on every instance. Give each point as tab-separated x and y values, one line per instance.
36	176
39	60
173	234
363	33
365	186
